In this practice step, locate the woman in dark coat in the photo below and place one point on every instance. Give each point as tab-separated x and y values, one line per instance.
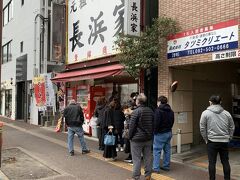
99	113
109	126
119	118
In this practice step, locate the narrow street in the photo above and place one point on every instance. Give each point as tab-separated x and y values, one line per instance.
49	148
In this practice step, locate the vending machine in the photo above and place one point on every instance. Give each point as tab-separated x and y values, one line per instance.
87	96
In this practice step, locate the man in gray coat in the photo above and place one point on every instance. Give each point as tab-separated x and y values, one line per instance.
217	128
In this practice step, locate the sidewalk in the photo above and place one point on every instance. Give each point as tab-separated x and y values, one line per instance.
180	171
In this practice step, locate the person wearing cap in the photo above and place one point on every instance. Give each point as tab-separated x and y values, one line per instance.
74	119
163	123
217	128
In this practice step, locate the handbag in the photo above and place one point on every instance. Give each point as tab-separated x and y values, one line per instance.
109	139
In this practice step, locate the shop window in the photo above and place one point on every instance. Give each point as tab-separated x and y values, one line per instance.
7	13
7	52
8	103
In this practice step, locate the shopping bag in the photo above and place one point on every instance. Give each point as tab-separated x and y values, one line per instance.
109	139
59	124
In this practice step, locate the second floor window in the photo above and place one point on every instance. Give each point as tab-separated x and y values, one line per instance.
7	13
7	52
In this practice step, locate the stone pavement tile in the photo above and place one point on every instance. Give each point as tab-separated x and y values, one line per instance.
3	176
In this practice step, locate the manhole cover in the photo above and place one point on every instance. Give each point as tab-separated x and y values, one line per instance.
18	165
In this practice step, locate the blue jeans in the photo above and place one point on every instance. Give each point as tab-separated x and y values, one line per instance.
162	142
80	133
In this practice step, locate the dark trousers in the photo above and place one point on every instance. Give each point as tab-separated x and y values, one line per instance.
119	138
100	138
213	149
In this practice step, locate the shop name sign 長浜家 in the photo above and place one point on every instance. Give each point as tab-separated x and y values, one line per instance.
233	54
217	37
93	27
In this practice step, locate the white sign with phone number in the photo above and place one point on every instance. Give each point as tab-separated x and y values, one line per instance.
226	55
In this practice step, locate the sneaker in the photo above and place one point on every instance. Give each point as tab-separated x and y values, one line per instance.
117	149
72	153
85	151
155	171
130	163
121	149
165	169
128	160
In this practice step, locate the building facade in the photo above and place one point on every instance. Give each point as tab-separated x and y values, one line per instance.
204	59
25	55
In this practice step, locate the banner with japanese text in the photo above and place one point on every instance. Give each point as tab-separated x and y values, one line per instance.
132	17
50	95
39	90
217	37
92	28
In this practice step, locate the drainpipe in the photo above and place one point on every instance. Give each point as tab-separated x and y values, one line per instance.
45	48
1	26
35	41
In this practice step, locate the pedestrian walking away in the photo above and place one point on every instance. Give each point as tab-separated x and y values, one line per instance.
217	128
140	135
74	119
163	123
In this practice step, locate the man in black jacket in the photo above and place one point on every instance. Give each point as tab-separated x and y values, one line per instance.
74	119
140	135
163	123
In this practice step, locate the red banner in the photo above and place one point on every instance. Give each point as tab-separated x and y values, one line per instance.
39	91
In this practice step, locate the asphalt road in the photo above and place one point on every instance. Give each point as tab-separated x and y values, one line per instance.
50	149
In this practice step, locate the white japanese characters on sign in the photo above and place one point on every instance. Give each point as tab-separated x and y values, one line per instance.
92	28
218	37
132	17
226	55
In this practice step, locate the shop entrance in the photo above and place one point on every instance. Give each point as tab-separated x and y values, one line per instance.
202	90
196	84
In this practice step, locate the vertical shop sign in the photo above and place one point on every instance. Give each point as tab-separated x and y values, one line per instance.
58	33
132	17
39	91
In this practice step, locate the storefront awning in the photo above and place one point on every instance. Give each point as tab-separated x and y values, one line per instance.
93	73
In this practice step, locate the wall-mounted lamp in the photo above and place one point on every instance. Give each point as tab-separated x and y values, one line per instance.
174	86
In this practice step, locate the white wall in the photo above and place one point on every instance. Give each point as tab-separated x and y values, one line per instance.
21	28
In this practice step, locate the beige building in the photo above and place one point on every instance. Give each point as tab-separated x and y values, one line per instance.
204	59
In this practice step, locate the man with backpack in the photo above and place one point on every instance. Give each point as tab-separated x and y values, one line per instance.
163	123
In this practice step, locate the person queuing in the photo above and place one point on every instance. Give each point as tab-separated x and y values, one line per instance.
217	128
74	119
99	113
109	126
119	118
140	135
163	123
127	112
